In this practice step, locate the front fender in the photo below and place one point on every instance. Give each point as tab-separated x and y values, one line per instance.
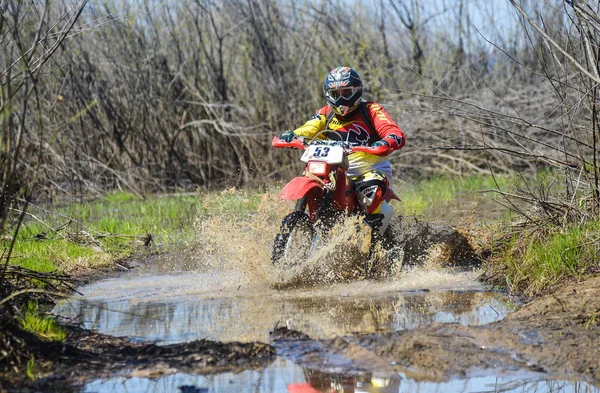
299	187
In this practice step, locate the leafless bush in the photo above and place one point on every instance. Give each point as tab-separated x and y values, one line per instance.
157	95
537	108
152	95
29	37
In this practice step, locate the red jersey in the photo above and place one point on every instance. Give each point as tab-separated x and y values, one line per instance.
352	128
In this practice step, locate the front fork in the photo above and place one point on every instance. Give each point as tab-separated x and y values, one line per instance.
301	204
322	210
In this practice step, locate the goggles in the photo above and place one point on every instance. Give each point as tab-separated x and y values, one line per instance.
344	92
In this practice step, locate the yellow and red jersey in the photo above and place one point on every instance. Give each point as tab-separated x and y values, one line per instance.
352	128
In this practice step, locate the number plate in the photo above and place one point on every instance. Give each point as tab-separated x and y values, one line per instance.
329	154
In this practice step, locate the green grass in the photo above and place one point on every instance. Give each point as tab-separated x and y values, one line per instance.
46	327
102	230
232	202
124	213
532	264
94	233
417	198
55	254
31	372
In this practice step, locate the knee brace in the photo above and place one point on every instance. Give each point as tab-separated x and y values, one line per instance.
370	194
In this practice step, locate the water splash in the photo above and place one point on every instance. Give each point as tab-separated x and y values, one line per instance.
217	287
244	244
240	247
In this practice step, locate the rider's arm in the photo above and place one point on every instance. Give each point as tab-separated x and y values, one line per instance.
386	128
312	127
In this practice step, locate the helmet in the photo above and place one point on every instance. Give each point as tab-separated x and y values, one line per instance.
343	90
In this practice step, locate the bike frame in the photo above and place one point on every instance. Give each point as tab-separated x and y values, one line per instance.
313	190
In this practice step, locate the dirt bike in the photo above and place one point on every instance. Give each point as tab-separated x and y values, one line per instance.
327	193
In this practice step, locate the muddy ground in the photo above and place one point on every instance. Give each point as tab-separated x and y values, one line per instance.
558	334
66	367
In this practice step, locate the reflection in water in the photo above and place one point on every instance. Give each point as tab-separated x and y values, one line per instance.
243	319
495	384
318	381
284	376
271	379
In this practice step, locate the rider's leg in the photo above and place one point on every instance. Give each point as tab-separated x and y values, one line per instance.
371	188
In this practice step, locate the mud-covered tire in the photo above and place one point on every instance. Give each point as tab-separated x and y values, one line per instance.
295	240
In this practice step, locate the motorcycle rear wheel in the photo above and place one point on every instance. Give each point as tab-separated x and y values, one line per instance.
297	240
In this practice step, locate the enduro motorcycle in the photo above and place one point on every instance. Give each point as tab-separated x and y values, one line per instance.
326	192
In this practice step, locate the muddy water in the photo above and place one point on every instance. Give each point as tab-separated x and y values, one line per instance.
227	290
220	306
165	303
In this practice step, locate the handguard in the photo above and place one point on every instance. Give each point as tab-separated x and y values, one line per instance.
294	144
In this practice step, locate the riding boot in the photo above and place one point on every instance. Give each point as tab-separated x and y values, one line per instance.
374	221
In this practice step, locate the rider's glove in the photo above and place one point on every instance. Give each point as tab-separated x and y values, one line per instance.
287	136
381	143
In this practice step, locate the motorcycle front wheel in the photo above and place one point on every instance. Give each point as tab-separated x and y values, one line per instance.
296	241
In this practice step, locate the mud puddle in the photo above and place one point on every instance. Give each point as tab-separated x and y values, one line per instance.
166	302
226	289
217	306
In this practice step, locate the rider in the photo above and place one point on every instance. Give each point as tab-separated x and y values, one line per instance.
361	123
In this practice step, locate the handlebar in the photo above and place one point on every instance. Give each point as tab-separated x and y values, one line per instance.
294	144
301	143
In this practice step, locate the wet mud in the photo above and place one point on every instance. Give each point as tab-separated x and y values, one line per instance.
87	355
558	335
439	246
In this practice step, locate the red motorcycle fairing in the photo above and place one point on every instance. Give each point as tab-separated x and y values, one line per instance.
299	187
294	144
